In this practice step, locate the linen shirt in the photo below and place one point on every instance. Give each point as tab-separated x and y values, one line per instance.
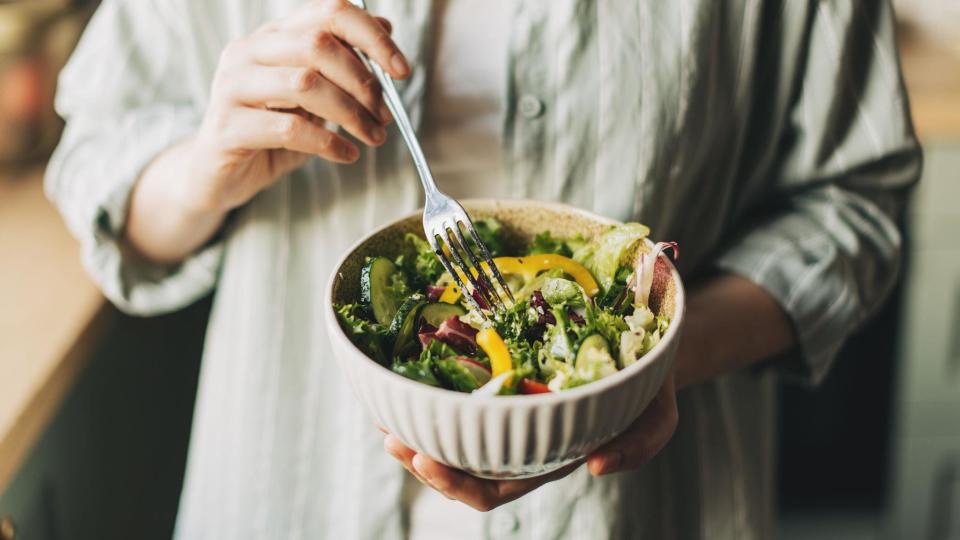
770	139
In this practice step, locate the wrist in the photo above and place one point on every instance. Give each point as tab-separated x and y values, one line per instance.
167	219
730	323
196	186
691	350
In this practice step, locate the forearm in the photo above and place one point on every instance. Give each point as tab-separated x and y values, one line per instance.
164	224
730	324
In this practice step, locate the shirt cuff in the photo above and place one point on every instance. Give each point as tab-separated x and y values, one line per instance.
804	273
92	180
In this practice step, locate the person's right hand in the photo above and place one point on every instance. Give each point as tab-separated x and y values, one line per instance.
274	90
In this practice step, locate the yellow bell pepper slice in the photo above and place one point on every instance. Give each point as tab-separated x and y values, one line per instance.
490	341
450	294
528	268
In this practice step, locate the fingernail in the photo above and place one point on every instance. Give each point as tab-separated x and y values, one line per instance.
378	134
611	462
418	465
388	446
399	65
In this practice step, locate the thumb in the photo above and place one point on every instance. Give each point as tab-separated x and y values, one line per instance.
644	439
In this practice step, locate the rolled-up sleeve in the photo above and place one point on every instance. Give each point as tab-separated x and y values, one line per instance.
124	99
826	244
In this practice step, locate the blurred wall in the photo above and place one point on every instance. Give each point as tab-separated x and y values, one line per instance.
36	37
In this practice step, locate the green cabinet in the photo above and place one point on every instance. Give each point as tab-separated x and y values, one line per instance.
110	464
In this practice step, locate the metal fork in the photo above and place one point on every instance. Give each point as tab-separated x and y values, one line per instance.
443	217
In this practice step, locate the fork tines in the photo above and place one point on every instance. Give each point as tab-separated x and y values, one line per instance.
482	293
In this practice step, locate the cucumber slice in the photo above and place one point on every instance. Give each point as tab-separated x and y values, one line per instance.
594	342
613	293
404	325
375	291
436	313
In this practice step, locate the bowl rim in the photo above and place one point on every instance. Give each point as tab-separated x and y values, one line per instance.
620	377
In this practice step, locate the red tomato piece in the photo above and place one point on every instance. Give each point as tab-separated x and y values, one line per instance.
533	387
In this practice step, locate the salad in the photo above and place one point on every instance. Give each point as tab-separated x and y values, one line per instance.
580	313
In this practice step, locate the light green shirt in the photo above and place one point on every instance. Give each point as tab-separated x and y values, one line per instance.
770	139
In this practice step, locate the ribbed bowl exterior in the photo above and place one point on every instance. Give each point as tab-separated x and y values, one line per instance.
506	436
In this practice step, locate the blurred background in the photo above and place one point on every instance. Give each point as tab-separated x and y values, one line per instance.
95	406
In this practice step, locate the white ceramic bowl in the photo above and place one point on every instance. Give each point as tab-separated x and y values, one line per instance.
504	436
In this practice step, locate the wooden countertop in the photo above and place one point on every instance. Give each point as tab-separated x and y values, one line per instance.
932	75
51	314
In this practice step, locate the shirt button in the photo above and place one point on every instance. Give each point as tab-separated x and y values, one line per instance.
504	523
530	106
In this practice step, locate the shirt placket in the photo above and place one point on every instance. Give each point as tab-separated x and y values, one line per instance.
525	121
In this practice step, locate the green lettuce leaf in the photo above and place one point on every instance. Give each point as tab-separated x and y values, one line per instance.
593	364
417	370
455	376
606	324
558	342
490	233
370	337
561	375
422	265
515	321
545	243
426	367
437	350
562	292
610	251
537	283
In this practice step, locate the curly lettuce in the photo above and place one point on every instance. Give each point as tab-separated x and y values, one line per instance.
369	337
425	368
420	263
545	243
490	233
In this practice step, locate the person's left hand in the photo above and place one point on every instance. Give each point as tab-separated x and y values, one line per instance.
630	450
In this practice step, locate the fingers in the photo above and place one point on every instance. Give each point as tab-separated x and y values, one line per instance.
643	439
352	25
257	129
287	87
328	56
404	455
385	23
361	30
482	495
479	493
307	61
447	481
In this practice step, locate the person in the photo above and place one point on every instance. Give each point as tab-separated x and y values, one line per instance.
241	146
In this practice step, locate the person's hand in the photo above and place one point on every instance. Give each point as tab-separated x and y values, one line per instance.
274	89
630	450
273	94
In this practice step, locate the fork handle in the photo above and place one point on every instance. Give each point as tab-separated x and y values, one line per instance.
399	112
